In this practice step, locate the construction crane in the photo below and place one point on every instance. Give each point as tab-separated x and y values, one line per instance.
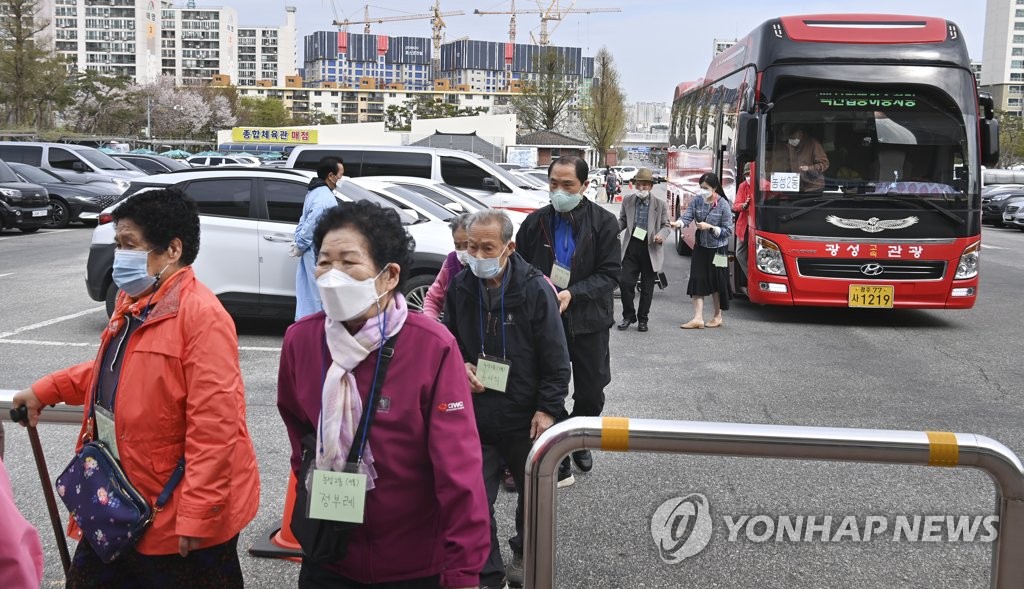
435	17
552	13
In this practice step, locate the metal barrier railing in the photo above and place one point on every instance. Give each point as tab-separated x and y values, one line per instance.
67	414
769	441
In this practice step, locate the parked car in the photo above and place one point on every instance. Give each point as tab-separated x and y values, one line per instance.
994	200
212	161
1013	216
77	163
151	164
626	173
23	205
247	221
468	171
450	197
70	201
660	175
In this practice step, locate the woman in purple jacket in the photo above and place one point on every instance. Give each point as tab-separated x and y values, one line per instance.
456	261
425	521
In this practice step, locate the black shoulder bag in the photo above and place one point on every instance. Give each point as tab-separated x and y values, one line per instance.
326	541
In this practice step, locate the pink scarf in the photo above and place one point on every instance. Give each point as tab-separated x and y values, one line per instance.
341	408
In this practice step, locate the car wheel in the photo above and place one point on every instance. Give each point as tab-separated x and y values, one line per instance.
111	299
416	291
61	214
28	229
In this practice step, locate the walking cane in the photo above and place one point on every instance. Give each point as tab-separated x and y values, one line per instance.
20	415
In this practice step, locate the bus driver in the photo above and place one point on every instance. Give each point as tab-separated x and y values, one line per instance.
807	157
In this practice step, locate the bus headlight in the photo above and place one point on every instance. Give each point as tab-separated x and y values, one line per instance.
769	258
968	266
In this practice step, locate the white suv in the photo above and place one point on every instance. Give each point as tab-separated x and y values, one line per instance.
247	220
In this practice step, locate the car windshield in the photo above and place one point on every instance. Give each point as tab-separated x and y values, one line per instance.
6	173
504	174
32	174
356	192
420	201
100	159
879	142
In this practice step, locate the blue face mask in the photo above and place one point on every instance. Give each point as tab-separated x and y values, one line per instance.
563	201
486	267
131	271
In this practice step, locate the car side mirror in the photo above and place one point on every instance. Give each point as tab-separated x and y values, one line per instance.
78	166
746	137
490	184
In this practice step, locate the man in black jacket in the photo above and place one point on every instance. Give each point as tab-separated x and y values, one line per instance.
505	317
575	242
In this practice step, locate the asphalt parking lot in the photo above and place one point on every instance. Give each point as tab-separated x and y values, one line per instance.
909	370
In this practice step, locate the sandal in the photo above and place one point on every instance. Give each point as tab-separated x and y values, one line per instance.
714	323
693	324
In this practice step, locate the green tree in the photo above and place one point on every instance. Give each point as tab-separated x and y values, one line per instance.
1011	139
604	116
398	118
29	72
262	112
102	105
544	103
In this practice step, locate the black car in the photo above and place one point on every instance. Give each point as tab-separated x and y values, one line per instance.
70	201
994	200
151	164
23	205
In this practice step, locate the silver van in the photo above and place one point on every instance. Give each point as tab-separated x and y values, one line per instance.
470	172
74	163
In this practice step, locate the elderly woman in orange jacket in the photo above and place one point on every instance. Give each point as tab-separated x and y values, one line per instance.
168	371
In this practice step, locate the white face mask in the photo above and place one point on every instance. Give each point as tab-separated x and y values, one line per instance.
794	142
463	256
643	194
344	297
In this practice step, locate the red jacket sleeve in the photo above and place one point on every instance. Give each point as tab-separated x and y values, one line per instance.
454	447
68	386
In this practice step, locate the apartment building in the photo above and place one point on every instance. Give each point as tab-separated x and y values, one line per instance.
267	52
197	44
367	104
1003	54
115	37
342	59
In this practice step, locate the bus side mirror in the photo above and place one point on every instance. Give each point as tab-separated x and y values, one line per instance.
989	141
987	104
746	137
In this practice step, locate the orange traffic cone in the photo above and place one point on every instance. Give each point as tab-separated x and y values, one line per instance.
278	541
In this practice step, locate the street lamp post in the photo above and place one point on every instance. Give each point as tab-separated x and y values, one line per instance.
149	115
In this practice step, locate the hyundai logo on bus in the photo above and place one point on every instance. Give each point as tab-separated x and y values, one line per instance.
682	527
872	269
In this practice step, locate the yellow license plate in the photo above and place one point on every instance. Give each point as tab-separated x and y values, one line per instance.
871	296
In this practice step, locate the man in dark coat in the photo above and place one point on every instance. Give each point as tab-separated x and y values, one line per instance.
575	242
505	318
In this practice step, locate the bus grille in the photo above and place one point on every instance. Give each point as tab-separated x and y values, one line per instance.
869	269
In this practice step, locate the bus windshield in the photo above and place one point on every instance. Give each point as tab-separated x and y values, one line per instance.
858	144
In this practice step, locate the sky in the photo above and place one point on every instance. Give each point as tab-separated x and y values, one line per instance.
655	43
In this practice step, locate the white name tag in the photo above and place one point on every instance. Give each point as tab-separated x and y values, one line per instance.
560	275
105	430
720	260
493	372
337	496
640	233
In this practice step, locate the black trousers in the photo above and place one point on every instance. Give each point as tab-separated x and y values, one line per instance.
215	567
313	576
500	449
637	264
591	372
